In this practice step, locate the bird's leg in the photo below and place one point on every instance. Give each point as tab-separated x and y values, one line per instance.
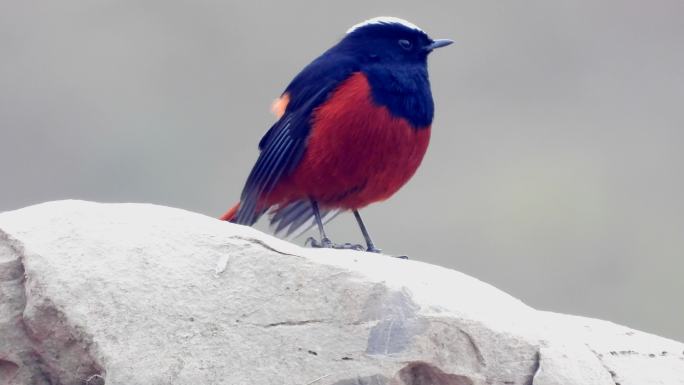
325	242
369	242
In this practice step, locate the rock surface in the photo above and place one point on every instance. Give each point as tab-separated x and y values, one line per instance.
141	294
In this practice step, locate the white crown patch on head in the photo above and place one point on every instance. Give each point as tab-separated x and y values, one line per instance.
384	20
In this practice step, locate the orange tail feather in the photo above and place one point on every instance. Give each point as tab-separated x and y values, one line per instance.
230	214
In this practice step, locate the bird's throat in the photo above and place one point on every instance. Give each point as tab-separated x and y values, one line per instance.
404	90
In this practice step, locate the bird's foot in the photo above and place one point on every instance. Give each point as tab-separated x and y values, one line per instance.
328	244
324	243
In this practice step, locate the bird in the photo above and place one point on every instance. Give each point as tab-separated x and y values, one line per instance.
352	128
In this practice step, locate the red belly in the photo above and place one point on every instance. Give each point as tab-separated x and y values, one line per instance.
357	152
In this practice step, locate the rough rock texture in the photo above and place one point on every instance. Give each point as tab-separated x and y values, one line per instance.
141	294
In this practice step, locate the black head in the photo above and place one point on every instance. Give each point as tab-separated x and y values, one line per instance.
389	40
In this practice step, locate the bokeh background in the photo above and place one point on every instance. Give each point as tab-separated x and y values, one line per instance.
556	166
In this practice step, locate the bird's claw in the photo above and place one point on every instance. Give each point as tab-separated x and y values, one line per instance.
348	246
325	243
328	244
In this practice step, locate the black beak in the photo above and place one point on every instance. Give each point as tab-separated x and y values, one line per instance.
439	43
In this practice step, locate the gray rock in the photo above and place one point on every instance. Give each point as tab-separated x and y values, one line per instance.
141	294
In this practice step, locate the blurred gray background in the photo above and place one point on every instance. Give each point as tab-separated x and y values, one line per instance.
555	170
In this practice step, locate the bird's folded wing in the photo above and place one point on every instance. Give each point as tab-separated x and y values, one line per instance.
284	144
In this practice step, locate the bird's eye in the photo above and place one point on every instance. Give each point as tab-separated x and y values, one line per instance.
405	44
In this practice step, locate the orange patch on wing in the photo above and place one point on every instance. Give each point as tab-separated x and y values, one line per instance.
230	214
279	105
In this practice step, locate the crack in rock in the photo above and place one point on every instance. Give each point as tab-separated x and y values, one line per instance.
376	379
599	357
476	349
262	244
294	323
535	368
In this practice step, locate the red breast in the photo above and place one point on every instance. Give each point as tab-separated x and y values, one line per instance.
357	152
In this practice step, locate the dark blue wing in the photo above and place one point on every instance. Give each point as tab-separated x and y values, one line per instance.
283	145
